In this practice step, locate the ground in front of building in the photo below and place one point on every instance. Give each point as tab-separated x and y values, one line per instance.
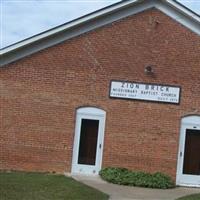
44	186
118	192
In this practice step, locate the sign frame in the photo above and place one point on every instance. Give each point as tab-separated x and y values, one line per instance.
145	100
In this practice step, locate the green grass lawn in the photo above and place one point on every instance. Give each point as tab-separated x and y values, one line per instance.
191	197
40	186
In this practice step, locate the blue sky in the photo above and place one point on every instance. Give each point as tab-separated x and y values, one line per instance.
21	19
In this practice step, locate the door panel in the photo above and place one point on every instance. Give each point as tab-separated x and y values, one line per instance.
88	142
192	152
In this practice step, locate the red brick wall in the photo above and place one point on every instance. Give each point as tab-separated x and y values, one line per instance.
40	95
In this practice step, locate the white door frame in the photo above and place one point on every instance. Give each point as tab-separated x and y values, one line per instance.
189	122
93	114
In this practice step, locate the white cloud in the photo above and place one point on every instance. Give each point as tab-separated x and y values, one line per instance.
21	19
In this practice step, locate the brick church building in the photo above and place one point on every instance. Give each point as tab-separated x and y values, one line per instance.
119	87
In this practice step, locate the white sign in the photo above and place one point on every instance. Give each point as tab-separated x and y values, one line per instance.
144	91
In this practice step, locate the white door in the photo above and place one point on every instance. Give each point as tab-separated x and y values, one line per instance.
188	168
88	141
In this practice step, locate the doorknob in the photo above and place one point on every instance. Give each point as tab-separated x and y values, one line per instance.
99	146
181	154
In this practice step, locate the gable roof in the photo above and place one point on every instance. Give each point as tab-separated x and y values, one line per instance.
95	20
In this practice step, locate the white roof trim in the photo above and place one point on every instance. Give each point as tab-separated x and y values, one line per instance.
183	9
97	19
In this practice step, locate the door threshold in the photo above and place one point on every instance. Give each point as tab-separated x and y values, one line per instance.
189	185
84	175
